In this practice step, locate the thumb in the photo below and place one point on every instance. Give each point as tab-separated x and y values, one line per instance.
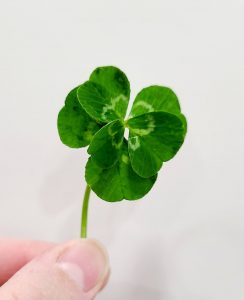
76	270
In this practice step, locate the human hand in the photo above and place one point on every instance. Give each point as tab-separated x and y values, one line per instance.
76	270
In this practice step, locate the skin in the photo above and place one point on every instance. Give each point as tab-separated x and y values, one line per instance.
35	270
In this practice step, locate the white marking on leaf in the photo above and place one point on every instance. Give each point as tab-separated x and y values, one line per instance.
134	143
112	106
148	130
145	105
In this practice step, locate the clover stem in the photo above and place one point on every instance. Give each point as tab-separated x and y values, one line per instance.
84	216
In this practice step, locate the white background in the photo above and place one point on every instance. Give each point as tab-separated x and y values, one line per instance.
185	240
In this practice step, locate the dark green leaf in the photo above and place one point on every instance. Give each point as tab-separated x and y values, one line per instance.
154	138
118	182
106	144
114	80
134	187
104	182
75	126
106	95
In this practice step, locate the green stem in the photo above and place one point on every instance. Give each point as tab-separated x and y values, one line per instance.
83	233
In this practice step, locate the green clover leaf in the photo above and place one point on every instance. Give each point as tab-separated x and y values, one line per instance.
106	144
105	96
76	128
94	115
155	98
154	138
119	181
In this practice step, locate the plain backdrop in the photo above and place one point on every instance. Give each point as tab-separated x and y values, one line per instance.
183	241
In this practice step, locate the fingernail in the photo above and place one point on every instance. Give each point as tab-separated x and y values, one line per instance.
86	263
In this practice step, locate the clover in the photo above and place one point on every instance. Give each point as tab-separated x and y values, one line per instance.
121	167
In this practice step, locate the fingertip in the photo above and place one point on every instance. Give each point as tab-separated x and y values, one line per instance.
86	262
